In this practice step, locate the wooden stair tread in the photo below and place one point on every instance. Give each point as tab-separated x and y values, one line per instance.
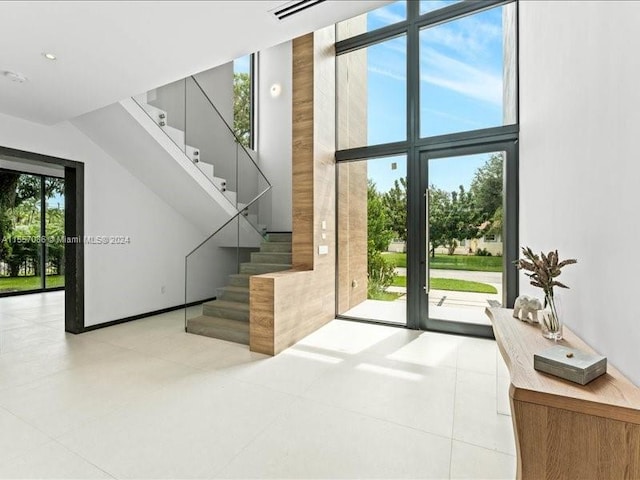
228	304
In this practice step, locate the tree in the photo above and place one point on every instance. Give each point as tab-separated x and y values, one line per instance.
395	202
8	187
379	233
20	212
242	107
452	217
379	236
486	188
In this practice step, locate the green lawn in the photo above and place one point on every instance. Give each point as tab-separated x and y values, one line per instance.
452	284
13	284
386	296
453	262
398	259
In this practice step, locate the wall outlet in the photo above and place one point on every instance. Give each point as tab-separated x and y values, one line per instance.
323	249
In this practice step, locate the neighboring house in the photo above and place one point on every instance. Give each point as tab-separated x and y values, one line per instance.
491	243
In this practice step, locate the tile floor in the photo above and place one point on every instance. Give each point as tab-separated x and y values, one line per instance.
146	400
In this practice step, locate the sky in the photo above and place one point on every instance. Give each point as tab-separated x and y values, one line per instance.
460	88
241	65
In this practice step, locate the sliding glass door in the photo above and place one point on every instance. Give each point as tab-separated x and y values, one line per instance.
31	232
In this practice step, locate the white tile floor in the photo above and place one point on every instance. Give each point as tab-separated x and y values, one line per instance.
146	400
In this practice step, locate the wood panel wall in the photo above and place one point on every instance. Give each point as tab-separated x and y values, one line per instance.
287	306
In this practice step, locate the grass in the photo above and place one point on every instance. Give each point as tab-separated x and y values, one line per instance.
471	263
17	284
398	259
385	296
452	284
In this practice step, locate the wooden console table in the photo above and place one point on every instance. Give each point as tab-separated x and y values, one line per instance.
564	430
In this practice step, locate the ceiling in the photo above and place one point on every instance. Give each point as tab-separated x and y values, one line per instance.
110	50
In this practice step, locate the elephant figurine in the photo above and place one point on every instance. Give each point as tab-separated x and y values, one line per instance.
526	308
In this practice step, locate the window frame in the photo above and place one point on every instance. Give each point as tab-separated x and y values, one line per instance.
414	145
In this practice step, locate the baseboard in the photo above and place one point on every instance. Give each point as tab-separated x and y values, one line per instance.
30	292
144	315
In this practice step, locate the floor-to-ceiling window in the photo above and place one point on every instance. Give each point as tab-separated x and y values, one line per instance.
32	230
427	163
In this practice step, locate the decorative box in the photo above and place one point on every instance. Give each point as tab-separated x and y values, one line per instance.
571	364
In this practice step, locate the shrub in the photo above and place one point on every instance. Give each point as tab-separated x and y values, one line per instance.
381	273
483	252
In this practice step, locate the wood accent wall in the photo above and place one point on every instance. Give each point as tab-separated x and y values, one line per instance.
287	306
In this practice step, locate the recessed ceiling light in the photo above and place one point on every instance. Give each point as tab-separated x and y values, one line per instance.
49	56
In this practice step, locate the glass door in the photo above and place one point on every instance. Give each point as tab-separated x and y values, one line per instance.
468	236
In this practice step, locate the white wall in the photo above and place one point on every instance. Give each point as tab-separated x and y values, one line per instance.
579	168
120	280
274	133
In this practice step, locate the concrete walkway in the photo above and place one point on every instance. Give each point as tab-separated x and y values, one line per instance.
483	277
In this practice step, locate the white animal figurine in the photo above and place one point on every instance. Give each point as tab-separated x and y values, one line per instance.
526	309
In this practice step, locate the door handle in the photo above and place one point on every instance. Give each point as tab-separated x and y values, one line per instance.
426	224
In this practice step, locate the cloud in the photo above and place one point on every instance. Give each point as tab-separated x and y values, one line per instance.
476	36
440	113
446	72
385	72
387	16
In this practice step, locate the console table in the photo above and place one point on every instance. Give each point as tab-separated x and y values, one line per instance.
564	430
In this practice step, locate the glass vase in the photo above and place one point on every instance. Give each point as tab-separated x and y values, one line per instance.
550	321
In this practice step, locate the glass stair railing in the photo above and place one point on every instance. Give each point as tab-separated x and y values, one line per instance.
186	114
220	266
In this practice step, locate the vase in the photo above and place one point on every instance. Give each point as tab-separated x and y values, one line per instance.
550	321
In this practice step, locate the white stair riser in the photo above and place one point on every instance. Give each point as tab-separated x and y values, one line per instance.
193	153
207	169
158	116
176	135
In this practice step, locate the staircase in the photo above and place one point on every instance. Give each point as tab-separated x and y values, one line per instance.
177	136
227	317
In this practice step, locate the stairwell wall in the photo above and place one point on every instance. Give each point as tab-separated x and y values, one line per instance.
120	280
274	134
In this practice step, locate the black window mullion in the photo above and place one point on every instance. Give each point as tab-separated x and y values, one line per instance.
43	233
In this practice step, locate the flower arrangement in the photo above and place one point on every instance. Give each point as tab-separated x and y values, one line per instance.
544	271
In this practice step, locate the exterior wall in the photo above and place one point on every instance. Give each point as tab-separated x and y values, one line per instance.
352	177
470	247
287	306
579	126
352	235
510	58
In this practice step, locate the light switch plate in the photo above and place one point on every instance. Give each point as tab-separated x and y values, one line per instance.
323	249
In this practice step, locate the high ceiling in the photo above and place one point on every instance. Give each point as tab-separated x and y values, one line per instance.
107	51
